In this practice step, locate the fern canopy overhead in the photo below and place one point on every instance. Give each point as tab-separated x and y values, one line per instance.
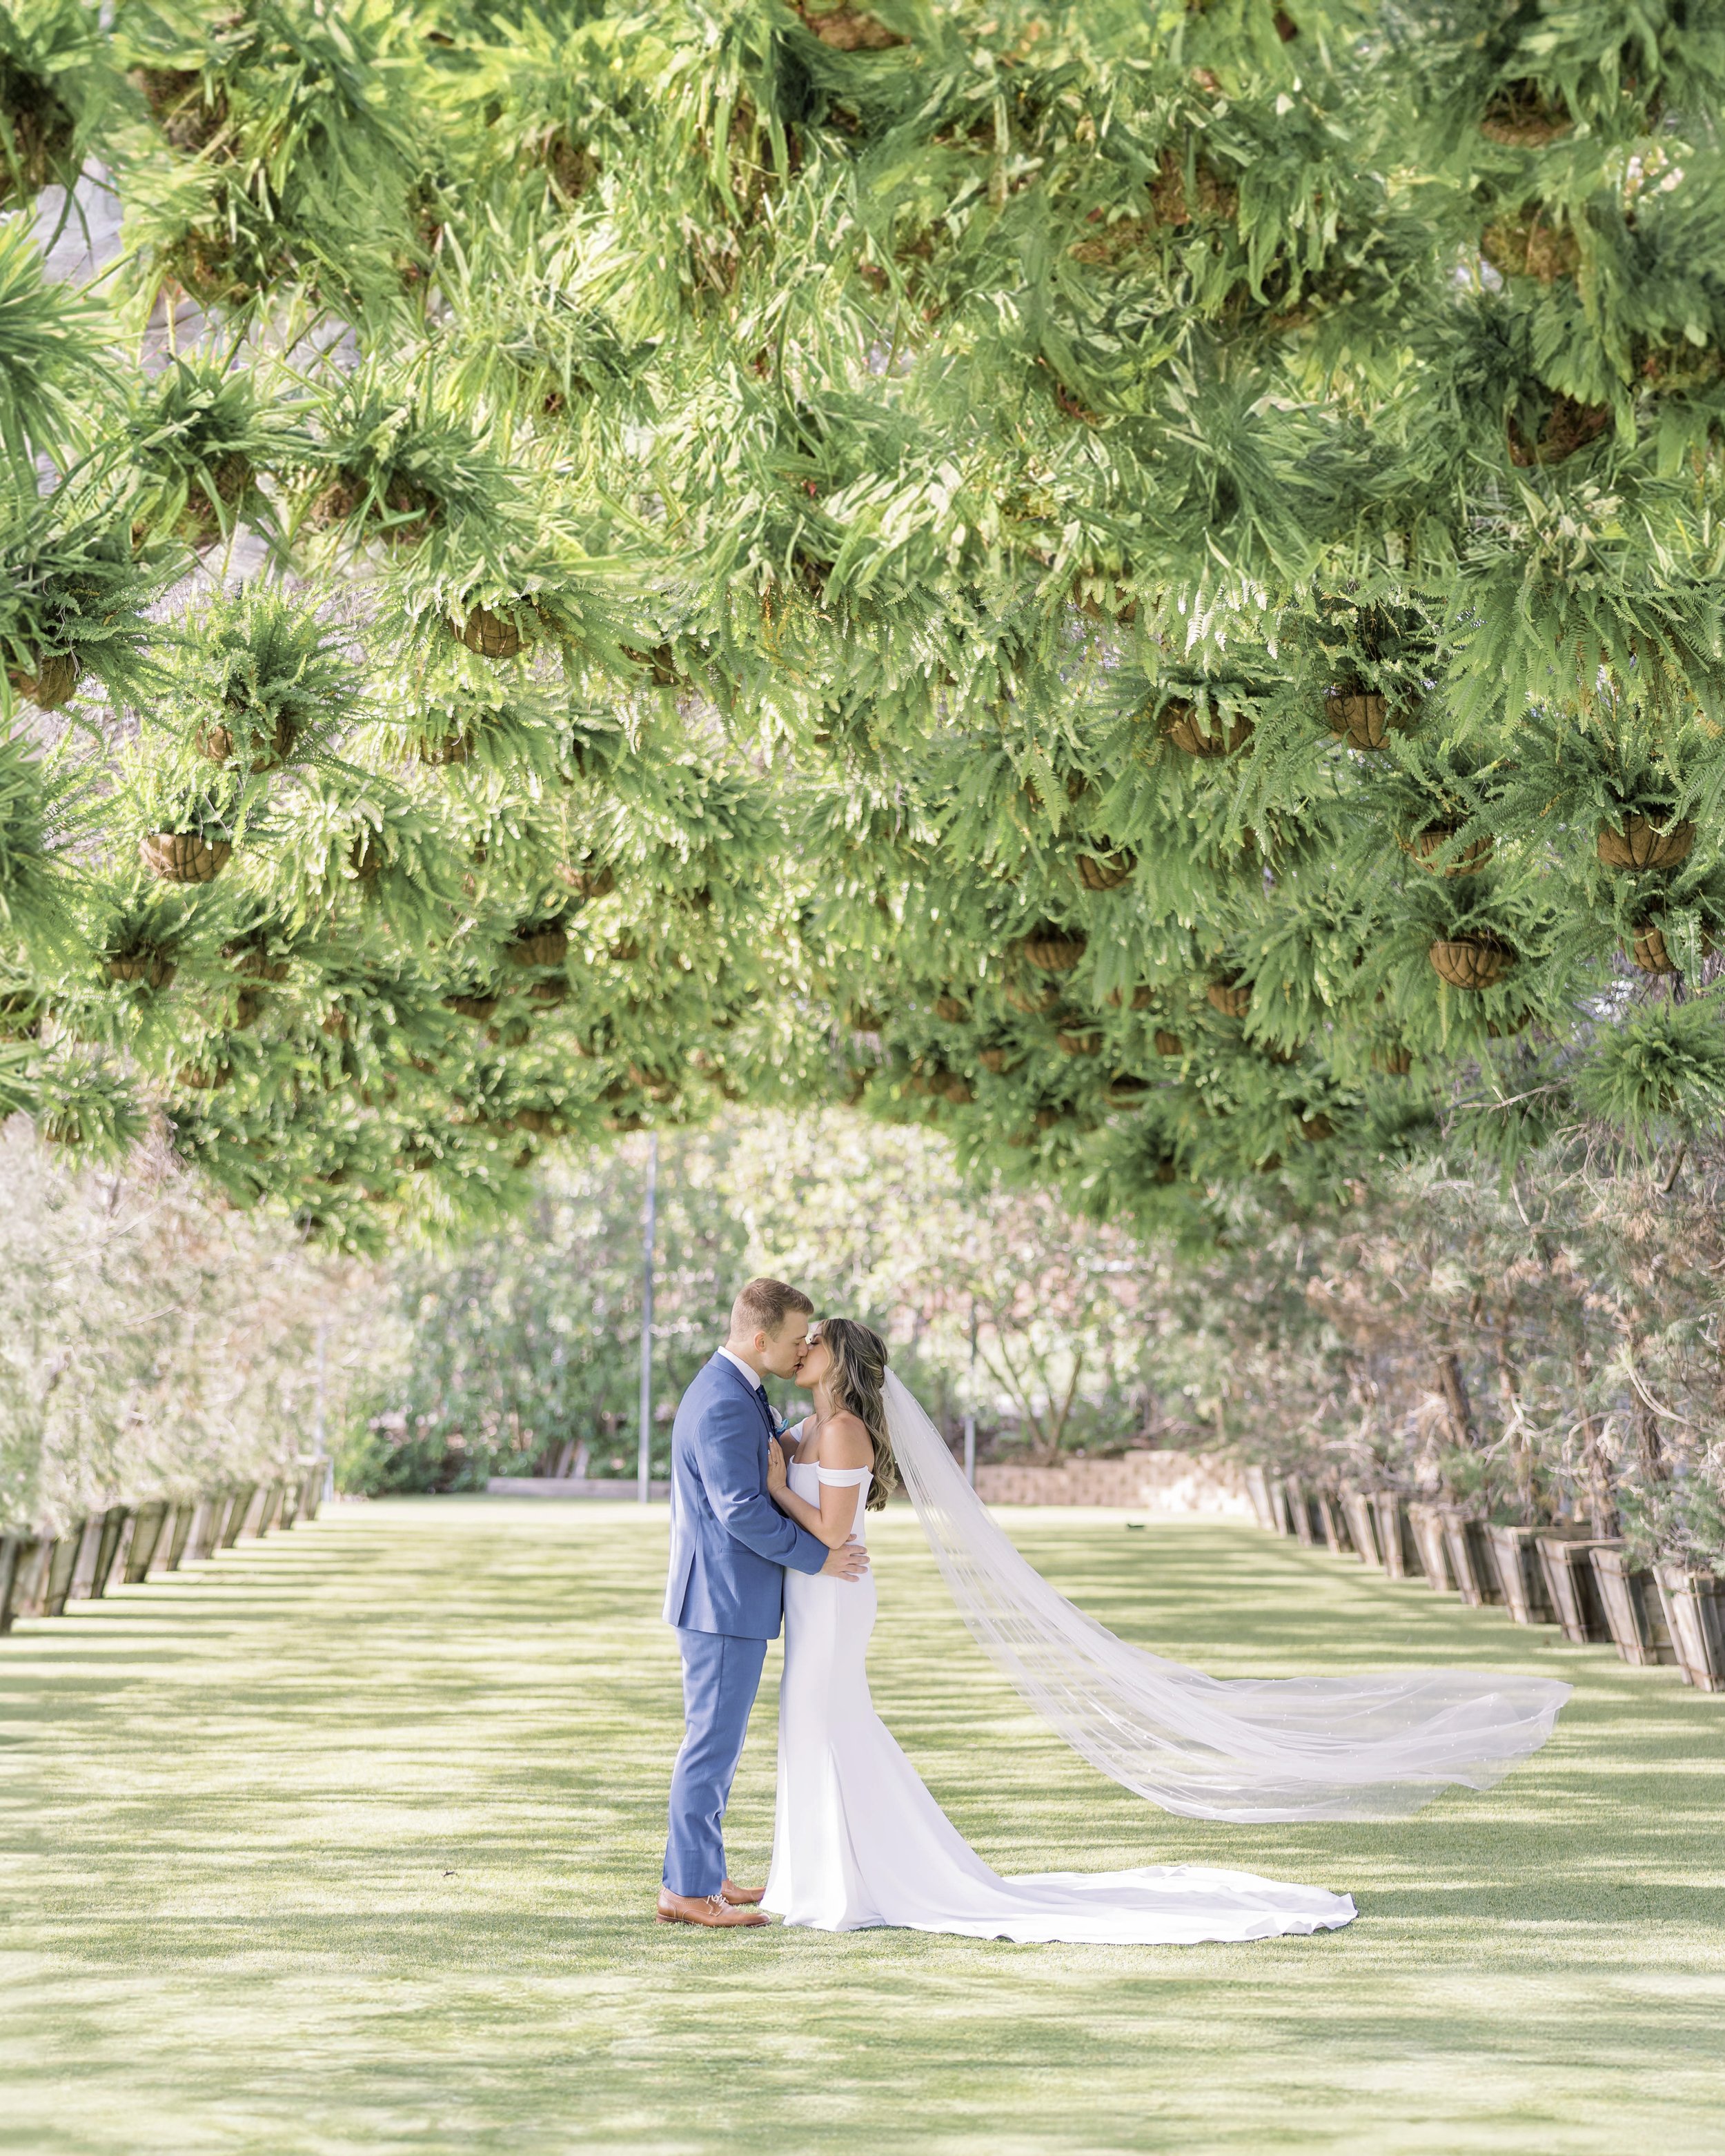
1141	580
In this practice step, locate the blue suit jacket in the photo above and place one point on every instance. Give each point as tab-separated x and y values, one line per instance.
730	1543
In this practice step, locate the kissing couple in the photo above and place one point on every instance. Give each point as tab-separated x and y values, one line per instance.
766	1526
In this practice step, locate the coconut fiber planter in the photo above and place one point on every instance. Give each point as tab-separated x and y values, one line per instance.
1694	1606
1634	1611
1521	1575
1573	1590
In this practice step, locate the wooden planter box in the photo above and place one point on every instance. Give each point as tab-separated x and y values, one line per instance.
1572	1587
289	1504
62	1562
1402	1558
1257	1484
270	1507
16	1555
1307	1530
107	1549
30	1583
237	1512
146	1526
1472	1565
311	1491
1333	1523
1425	1523
1521	1575
1633	1609
205	1518
1361	1524
1694	1605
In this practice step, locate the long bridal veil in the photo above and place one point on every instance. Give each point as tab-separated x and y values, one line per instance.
1374	1747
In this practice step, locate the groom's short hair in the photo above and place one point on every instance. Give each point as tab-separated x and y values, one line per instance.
764	1304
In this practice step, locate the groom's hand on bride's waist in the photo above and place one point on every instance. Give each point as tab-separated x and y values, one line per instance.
849	1560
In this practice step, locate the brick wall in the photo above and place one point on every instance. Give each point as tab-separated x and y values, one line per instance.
1143	1481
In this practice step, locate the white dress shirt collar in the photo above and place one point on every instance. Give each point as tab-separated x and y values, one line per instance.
738	1363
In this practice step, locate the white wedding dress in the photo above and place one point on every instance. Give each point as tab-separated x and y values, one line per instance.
858	1840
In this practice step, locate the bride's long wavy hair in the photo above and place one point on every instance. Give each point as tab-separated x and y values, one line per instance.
858	1375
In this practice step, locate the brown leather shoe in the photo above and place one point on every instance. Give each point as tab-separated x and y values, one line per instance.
741	1898
712	1909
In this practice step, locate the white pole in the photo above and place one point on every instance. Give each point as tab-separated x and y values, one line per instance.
643	1464
970	1406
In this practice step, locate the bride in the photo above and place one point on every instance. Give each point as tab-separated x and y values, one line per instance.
857	1838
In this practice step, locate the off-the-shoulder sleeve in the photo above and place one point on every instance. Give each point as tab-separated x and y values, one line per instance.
844	1478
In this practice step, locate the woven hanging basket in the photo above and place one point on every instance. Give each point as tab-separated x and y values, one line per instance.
1124	1091
1433	848
1168	1044
216	743
1397	1062
546	946
1640	844
588	881
950	1010
449	749
1316	1129
256	963
1183	728
183	857
1648	950
1034	1002
541	1122
1054	953
1233	998
1142	997
1080	1044
52	684
997	1059
149	967
1471	961
492	635
476	1007
553	991
1360	717
366	856
1105	871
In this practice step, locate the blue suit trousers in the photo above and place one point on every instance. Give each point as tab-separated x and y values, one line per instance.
721	1673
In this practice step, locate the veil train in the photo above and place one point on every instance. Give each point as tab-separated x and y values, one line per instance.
1375	1747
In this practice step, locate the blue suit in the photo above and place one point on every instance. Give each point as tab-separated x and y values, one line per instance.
730	1546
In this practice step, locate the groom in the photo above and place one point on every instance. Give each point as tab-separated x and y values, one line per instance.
729	1545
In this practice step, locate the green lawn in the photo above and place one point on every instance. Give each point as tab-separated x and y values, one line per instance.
348	1841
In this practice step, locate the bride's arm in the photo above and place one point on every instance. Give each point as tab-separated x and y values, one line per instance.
845	1443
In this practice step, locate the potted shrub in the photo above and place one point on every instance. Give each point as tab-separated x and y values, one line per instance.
1693	1603
1573	1589
1633	1612
1472	1562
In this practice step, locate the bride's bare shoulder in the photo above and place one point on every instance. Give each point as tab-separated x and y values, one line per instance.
845	1442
